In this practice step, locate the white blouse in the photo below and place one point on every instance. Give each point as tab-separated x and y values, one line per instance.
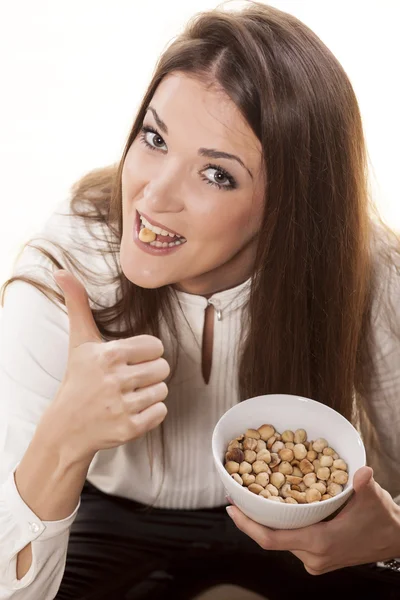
33	357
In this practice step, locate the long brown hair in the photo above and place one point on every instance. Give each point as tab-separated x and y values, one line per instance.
315	274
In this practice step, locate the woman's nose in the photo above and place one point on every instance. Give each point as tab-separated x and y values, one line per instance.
164	192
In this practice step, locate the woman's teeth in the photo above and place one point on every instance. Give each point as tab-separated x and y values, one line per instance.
149	232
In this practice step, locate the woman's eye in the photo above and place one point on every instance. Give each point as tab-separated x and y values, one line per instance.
220	172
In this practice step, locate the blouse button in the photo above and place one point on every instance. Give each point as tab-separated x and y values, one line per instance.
34	527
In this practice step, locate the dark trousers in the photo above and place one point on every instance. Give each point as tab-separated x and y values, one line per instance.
121	550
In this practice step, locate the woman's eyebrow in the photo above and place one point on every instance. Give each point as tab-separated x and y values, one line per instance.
209	152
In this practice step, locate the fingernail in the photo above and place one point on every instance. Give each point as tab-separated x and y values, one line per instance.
229	510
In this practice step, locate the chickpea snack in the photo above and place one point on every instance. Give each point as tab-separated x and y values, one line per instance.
286	461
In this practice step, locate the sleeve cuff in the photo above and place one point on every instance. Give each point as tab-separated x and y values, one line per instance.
28	521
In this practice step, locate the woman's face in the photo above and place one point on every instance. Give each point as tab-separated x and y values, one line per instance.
167	178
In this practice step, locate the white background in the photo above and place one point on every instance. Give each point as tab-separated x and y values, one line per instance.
73	73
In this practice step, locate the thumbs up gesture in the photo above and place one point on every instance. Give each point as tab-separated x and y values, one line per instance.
112	392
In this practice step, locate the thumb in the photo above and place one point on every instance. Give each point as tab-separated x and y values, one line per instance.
83	327
363	479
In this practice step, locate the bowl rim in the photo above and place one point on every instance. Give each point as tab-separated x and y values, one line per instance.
346	492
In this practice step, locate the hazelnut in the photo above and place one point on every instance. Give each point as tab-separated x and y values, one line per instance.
232	467
313	495
289	445
248	479
255	488
286	454
299	496
266	431
300	451
271	442
340	477
262	479
249	456
275	460
252	433
264	455
320	444
292	479
272	489
276	499
339	464
321	487
306	466
259	466
300	436
277	479
285	467
288	436
326	497
236	454
290	500
296	471
249	444
334	489
328	451
244	467
277	446
265	493
261	445
237	478
326	461
234	444
311	455
309	479
284	491
323	473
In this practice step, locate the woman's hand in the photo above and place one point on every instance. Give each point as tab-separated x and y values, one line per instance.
366	530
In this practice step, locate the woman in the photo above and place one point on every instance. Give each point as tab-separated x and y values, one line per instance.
238	257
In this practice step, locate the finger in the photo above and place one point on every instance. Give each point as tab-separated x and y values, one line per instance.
149	418
143	374
305	538
145	397
140	348
363	480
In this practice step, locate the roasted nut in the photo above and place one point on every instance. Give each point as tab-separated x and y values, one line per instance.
326	497
249	456
340	465
328	451
261	445
272	489
316	464
306	466
321	487
292	479
286	454
297	472
275	460
262	479
244	467
296	488
289	445
285	467
284	491
278	436
232	467
302	486
309	479
277	447
340	477
265	493
255	488
275	469
323	473
249	444
236	454
320	444
334	489
277	479
264	455
299	496
271	442
311	455
259	466
234	444
313	495
335	456
290	500
326	461
276	499
252	433
300	436
237	478
248	479
288	436
300	451
266	431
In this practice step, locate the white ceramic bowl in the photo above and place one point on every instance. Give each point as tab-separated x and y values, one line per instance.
287	412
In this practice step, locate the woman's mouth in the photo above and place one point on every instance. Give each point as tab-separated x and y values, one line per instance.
154	239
